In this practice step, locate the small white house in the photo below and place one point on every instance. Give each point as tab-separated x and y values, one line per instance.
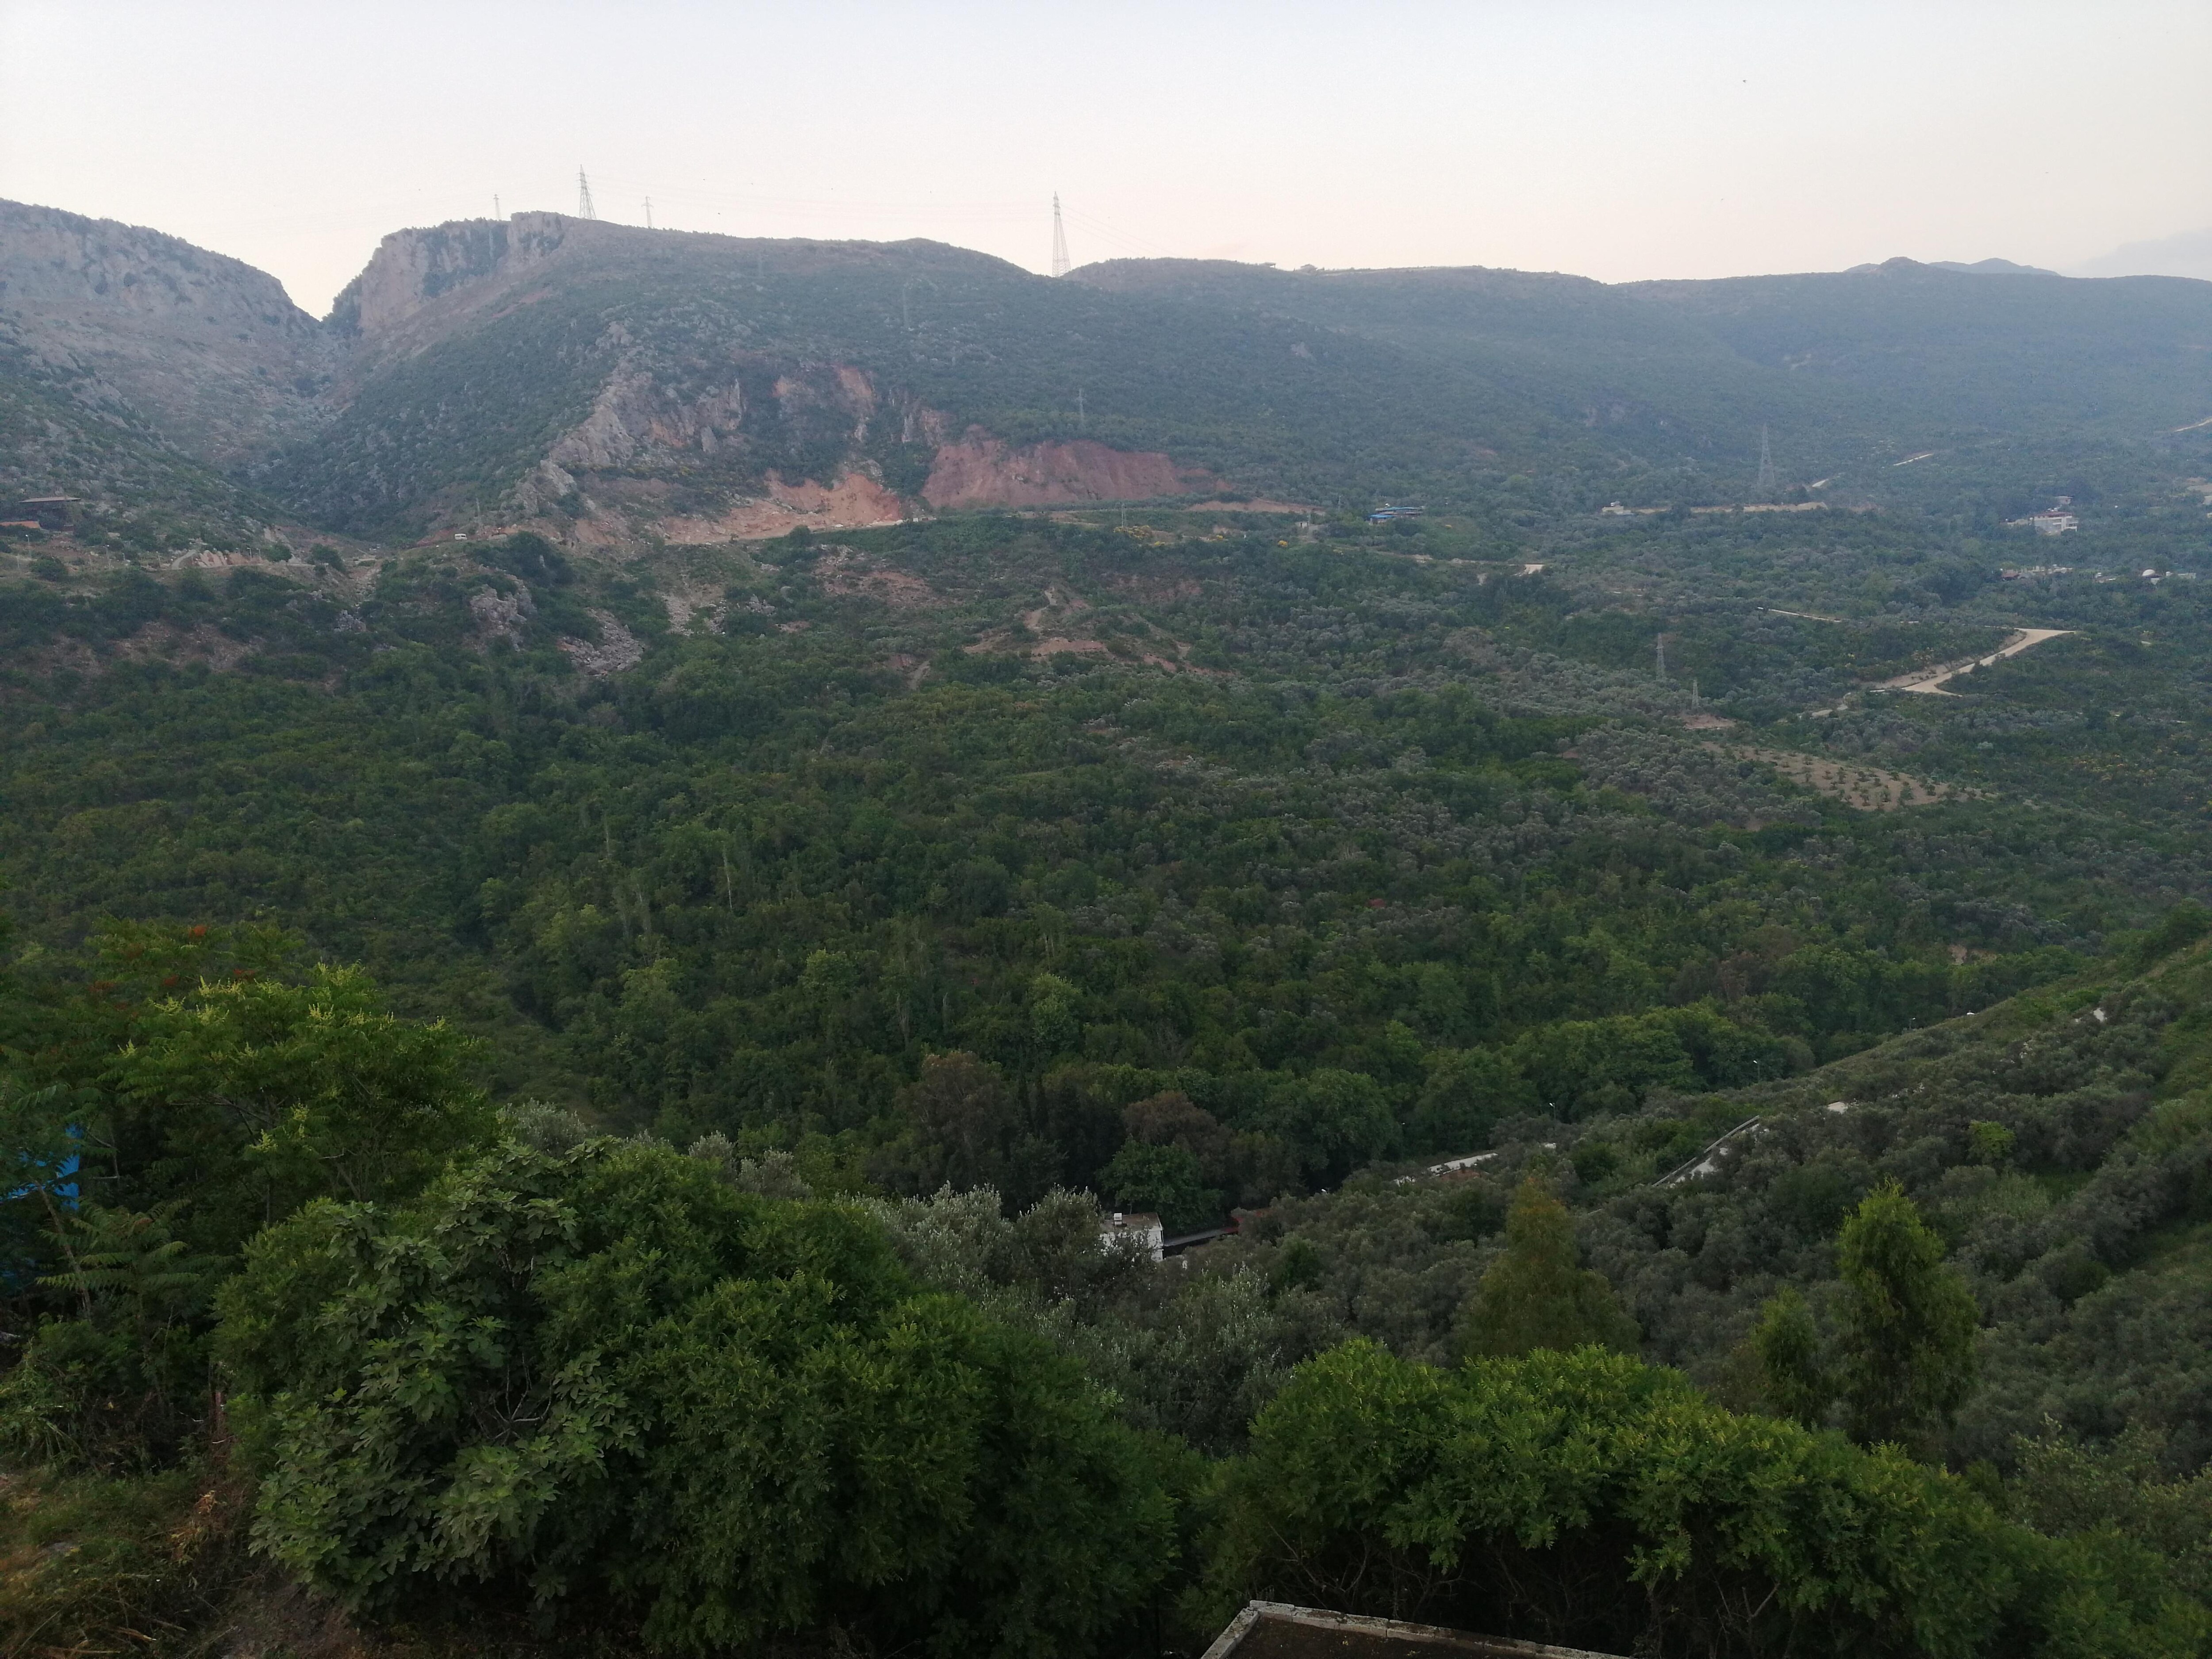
1142	1230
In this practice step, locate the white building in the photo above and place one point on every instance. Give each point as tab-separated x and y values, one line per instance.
1145	1231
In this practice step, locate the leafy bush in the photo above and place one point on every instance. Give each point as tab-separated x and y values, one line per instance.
1588	1500
609	1377
153	1123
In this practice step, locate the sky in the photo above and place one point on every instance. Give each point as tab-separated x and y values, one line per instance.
1619	141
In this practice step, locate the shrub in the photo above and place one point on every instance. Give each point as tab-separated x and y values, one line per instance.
610	1377
1588	1500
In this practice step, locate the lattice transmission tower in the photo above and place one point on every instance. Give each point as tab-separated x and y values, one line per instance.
1060	263
584	208
1766	465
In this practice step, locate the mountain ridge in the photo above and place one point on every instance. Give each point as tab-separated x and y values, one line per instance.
606	384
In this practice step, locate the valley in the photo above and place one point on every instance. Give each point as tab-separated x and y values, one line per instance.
631	801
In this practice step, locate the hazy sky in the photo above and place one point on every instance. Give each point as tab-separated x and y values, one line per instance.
1621	141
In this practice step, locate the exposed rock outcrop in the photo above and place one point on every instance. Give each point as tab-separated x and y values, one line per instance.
502	615
471	258
637	417
615	652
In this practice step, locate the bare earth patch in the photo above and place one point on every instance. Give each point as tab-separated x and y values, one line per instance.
1052	630
982	470
1155	588
855	502
691	601
848	573
1869	788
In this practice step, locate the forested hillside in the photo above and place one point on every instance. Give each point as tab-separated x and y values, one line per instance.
1852	370
591	927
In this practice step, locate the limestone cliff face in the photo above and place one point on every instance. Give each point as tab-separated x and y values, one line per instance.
638	420
64	264
807	427
411	270
206	349
785	440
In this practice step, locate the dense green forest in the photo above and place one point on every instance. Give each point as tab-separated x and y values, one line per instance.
517	1017
1333	897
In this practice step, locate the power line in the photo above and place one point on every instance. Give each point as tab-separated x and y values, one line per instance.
1098	227
1060	263
584	208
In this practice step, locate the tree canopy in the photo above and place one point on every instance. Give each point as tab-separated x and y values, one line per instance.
1536	1295
1589	1500
609	1374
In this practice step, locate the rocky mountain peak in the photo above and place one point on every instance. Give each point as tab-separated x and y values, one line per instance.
411	269
211	349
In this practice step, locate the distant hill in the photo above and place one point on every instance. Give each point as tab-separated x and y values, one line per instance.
1979	267
1846	367
605	383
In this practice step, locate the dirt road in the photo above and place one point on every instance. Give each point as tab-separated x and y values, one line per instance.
1933	680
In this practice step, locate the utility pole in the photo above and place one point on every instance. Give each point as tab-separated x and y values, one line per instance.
1060	263
584	208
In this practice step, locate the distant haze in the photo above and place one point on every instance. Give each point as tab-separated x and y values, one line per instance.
1620	141
2189	254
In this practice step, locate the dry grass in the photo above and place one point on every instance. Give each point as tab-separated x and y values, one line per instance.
1869	788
